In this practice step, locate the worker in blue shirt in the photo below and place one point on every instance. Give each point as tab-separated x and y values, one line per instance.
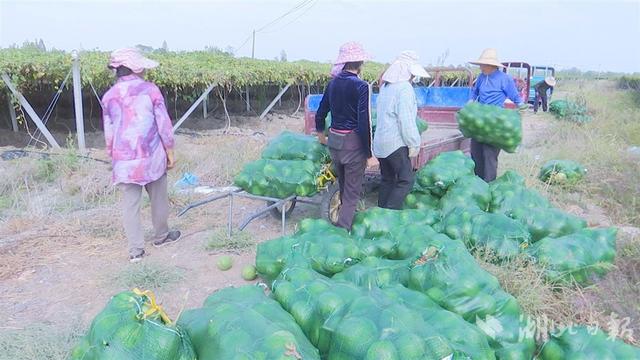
492	87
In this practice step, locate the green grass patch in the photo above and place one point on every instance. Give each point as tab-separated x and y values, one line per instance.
148	276
221	241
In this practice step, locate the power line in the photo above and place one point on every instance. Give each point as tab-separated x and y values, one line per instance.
292	10
312	4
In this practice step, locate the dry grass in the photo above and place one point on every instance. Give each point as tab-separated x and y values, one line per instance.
147	276
239	241
39	341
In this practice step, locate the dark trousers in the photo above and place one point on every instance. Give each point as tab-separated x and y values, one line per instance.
350	162
486	158
541	96
397	179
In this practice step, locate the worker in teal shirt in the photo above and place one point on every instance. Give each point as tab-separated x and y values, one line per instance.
492	87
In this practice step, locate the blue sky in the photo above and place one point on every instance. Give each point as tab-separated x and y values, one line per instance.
590	35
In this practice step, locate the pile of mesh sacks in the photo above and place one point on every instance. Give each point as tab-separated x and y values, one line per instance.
290	165
403	284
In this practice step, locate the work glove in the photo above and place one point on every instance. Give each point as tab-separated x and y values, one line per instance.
414	151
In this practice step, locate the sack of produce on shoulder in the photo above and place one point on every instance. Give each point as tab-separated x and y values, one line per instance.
294	146
583	342
542	222
450	276
562	172
279	178
493	125
467	190
443	171
133	326
579	257
244	321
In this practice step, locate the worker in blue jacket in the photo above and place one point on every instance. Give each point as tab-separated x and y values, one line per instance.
492	87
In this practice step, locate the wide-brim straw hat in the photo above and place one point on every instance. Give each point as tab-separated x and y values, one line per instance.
488	57
403	67
132	59
550	80
352	52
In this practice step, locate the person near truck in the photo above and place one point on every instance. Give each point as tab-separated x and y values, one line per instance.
541	89
347	98
397	139
492	87
139	140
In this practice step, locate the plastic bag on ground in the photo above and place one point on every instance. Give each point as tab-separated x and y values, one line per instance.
491	125
562	172
450	276
443	171
243	323
131	326
294	146
578	257
279	178
580	342
467	190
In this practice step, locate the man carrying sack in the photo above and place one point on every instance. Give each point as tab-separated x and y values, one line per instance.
492	87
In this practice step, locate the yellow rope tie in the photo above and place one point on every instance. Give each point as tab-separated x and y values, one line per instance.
153	306
325	177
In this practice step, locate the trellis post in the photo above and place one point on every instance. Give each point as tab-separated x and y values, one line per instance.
32	113
12	113
77	100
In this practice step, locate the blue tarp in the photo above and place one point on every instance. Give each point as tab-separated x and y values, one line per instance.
426	96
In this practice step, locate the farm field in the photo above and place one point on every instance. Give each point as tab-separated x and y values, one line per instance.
63	249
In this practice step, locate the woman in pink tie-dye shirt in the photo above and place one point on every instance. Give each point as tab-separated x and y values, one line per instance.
139	138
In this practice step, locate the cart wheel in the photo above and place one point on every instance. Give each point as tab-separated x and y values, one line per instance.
330	203
276	212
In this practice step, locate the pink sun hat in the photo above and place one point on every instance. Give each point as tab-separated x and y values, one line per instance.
349	52
132	59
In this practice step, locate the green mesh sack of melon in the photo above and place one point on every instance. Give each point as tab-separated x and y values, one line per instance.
509	192
243	323
491	125
503	236
443	171
450	276
467	190
561	172
279	178
581	342
579	257
347	322
374	272
326	248
132	326
375	228
294	146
